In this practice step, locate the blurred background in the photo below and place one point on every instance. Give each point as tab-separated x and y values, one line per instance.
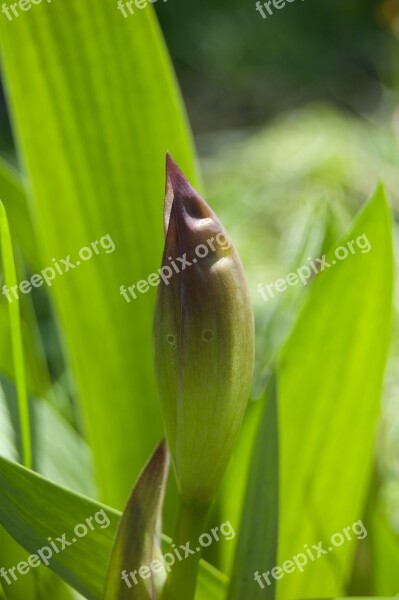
239	70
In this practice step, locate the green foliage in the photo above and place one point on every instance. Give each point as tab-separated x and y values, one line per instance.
100	91
53	511
138	540
95	107
384	556
330	387
10	278
258	537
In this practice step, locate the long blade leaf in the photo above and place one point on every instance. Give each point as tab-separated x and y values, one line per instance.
257	539
330	386
10	277
100	90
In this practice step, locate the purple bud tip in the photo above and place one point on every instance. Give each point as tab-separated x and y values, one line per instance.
180	193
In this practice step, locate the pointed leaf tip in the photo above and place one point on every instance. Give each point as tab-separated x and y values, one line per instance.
138	541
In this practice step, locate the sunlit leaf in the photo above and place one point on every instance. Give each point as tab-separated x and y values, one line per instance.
19	215
385	556
330	385
100	90
258	535
61	454
10	279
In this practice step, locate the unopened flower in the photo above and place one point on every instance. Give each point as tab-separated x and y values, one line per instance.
204	340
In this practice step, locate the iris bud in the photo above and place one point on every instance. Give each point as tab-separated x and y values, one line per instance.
203	339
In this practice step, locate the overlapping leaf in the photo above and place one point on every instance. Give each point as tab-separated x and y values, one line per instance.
10	279
95	108
258	535
32	509
330	387
138	541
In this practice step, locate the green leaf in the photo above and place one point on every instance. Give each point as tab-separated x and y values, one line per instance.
19	215
38	583
52	430
137	541
330	386
26	245
10	552
32	509
277	315
274	322
234	488
36	384
31	585
41	582
385	556
100	90
257	540
10	277
8	441
60	453
211	584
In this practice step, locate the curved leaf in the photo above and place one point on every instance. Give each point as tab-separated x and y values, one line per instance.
32	509
331	378
137	542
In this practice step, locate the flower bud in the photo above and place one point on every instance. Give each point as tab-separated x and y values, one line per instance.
204	340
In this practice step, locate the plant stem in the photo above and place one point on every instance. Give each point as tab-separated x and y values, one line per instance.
181	582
